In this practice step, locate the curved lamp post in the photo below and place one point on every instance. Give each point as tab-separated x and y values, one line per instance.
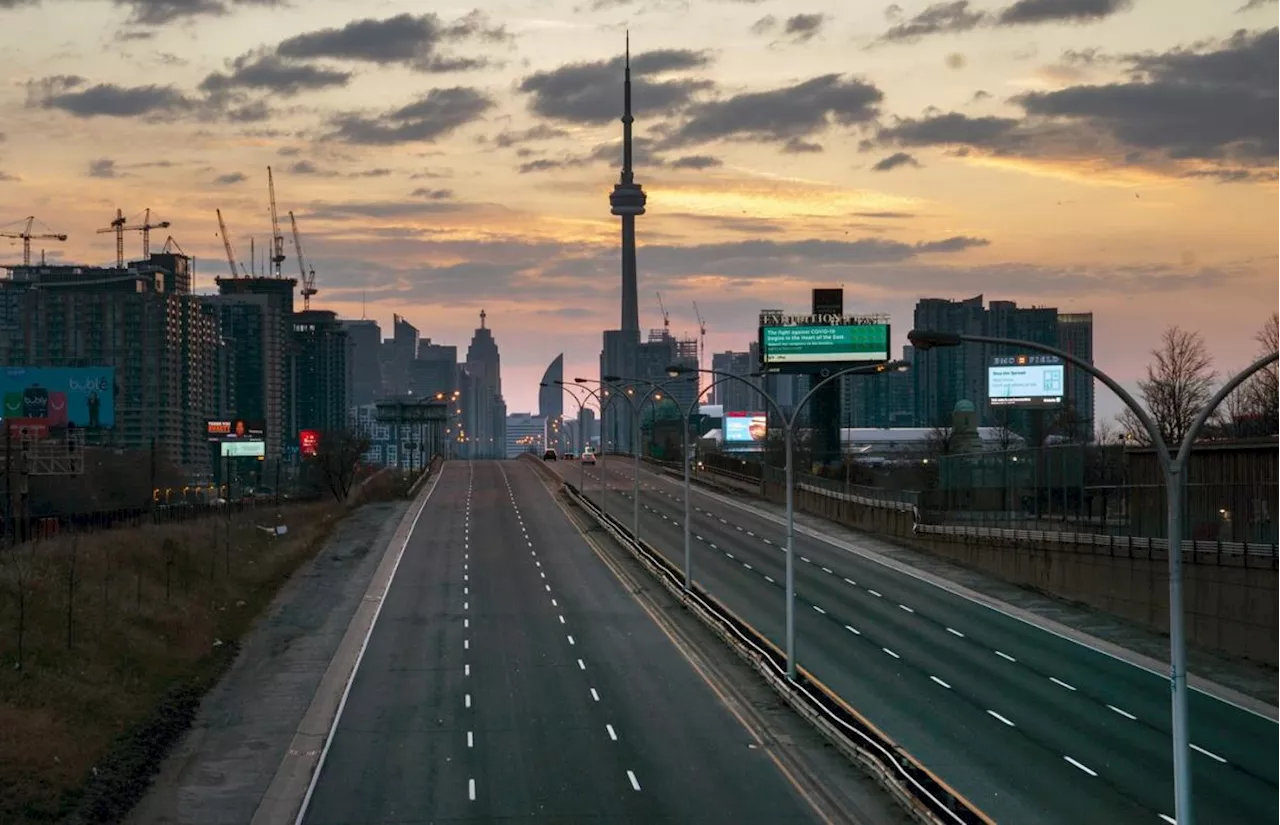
788	434
602	403
581	401
1173	467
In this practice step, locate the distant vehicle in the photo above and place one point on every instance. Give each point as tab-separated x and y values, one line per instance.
588	457
549	455
569	456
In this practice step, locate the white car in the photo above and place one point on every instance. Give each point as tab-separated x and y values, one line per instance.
588	457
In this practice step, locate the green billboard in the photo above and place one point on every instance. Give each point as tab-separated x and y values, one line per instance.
843	344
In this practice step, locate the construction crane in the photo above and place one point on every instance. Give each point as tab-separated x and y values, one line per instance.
702	332
308	273
119	226
666	319
277	240
226	244
26	237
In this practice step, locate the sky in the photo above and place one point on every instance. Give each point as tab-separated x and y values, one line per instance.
1113	156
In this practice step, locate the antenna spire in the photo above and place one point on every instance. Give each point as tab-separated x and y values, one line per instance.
627	175
482	317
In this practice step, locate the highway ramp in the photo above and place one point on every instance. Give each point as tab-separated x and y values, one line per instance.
1027	725
510	677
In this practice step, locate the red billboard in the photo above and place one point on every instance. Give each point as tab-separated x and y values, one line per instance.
308	441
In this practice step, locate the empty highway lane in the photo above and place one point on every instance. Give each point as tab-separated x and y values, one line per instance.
510	677
1029	726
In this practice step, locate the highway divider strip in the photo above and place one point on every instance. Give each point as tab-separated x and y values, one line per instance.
922	793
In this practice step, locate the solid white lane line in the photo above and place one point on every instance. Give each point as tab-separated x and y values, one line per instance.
1004	655
1126	714
570	639
853	630
1169	819
470	741
468	700
582	665
851	581
1209	754
1084	768
595	695
770	580
1001	718
635	783
939	681
612	735
820	610
904	607
471	789
874	593
891	653
1060	683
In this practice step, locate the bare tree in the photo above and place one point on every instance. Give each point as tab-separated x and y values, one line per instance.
1001	419
1178	384
939	440
334	464
1254	408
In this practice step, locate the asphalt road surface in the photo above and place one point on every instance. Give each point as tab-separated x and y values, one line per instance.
1029	726
510	677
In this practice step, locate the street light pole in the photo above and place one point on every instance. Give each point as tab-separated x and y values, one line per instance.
582	468
1174	470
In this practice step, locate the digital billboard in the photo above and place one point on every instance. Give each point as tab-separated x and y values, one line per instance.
1025	381
235	429
745	427
243	449
819	344
60	396
308	441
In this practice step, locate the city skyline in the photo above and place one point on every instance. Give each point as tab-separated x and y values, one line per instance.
486	185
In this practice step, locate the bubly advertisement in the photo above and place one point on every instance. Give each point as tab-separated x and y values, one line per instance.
59	396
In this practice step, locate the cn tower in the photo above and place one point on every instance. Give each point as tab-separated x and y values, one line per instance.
627	201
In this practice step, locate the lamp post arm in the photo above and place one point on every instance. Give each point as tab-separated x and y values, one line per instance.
1157	440
773	405
1226	389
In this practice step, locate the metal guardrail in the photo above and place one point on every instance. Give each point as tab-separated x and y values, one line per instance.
925	794
1214	548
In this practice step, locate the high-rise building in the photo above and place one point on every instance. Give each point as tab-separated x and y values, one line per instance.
397	357
944	376
264	343
488	411
524	433
879	400
435	370
620	352
1075	337
364	364
163	348
319	375
736	395
551	400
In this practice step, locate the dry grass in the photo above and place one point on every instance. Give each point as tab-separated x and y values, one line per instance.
123	631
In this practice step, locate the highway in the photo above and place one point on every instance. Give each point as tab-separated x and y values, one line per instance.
1029	726
510	677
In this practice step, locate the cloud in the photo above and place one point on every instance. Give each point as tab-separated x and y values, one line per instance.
435	115
1255	4
781	114
696	162
104	168
936	19
801	28
433	194
1050	11
764	25
955	60
883	214
5	177
270	73
403	39
229	179
508	138
590	93
306	167
349	210
161	12
106	99
894	161
1234	175
13	4
796	146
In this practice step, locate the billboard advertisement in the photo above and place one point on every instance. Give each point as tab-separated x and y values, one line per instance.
816	344
745	427
243	449
308	441
60	396
235	429
1025	381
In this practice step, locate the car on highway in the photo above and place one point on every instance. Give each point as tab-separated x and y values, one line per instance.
588	457
549	455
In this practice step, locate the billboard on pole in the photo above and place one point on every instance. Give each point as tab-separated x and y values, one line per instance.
745	427
1025	381
60	396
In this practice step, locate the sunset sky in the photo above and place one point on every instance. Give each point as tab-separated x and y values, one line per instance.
1100	155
